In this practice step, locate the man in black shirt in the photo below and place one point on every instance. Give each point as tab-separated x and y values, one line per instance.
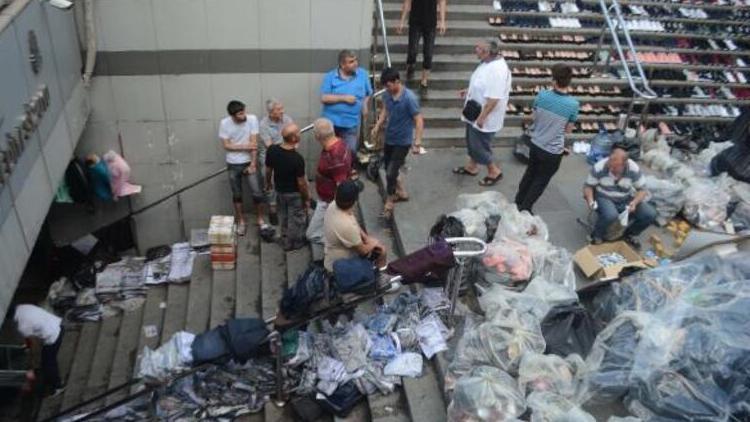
423	20
286	174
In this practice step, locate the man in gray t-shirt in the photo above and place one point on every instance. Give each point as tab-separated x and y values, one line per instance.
270	134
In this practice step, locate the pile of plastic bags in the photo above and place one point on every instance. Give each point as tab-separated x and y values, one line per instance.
677	345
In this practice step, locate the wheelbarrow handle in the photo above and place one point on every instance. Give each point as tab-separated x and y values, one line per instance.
460	241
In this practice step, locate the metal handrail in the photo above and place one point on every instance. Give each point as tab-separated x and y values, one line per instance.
649	94
384	33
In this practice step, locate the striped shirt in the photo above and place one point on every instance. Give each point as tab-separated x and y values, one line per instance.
618	190
553	110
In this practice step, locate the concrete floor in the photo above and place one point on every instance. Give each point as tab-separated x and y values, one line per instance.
434	188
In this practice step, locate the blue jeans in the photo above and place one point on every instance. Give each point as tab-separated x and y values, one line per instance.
350	136
607	212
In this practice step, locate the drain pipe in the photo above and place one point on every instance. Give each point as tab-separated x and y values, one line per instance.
88	6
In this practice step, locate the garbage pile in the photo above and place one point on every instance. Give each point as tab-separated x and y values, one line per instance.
100	290
676	346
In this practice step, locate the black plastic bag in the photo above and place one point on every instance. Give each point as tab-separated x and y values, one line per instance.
343	400
446	227
569	329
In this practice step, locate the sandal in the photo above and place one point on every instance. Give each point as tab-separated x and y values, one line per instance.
462	171
490	181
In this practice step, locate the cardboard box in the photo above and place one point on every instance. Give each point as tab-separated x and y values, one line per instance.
587	261
221	229
223	257
223	249
219	266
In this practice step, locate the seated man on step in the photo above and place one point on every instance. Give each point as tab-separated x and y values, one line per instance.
614	185
343	236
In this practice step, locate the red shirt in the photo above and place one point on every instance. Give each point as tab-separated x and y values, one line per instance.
334	167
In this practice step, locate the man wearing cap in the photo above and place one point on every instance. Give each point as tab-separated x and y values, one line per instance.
343	236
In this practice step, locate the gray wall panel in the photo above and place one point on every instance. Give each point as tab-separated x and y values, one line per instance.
62	31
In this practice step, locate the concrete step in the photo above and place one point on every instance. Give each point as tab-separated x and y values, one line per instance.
482	28
125	352
79	371
223	293
101	365
454	12
175	316
248	275
51	405
199	296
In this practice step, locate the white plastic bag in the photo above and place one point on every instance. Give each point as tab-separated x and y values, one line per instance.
548	373
473	221
486	394
506	261
551	407
405	365
552	293
432	334
174	355
521	225
706	204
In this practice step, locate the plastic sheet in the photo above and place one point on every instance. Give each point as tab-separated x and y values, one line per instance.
506	261
500	342
473	221
548	373
650	290
552	263
706	205
521	225
606	371
666	196
498	300
551	407
432	335
552	293
405	365
486	394
171	356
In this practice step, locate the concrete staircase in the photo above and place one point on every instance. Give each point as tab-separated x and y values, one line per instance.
467	22
96	357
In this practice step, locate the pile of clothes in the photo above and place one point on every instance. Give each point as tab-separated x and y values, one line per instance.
676	346
351	359
99	290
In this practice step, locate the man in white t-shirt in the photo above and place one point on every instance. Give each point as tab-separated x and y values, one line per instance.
37	325
489	87
239	137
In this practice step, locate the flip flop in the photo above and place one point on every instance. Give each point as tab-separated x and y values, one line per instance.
489	181
462	171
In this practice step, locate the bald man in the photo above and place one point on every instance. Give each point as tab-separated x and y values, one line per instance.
285	174
614	185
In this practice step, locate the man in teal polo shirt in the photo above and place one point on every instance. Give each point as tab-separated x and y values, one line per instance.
345	93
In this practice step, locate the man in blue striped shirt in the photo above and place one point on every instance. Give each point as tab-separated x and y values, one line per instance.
614	185
555	113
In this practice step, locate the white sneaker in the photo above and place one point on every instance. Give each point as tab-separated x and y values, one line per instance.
741	77
496	5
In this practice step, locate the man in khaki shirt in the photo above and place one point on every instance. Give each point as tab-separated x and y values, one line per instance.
342	234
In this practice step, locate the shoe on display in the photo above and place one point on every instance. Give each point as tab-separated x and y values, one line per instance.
496	5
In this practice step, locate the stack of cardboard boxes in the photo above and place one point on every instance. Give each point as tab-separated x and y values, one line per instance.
221	235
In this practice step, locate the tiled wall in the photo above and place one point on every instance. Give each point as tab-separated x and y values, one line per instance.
166	120
26	197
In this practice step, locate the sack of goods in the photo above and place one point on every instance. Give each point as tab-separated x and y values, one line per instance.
221	236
